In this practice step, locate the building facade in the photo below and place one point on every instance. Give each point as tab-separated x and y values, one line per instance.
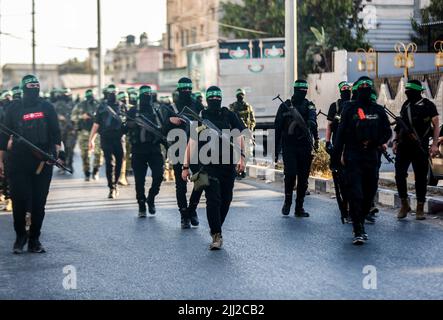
389	21
132	62
48	75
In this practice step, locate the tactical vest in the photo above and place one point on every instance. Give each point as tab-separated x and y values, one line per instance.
33	125
244	112
140	135
89	108
367	125
221	121
110	122
298	133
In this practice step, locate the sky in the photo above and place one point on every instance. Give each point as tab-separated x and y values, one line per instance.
73	23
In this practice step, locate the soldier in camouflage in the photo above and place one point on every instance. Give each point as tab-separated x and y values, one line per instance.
64	106
83	119
245	112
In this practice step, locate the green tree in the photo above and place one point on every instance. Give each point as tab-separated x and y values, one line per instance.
429	14
340	20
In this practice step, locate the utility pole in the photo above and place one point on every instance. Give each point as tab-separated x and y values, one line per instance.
34	69
101	67
291	63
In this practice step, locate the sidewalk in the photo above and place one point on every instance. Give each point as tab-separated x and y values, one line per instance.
386	195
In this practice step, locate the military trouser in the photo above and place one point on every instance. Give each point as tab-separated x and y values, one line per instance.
219	195
113	150
29	193
83	141
361	178
140	163
297	164
70	142
180	188
194	200
407	155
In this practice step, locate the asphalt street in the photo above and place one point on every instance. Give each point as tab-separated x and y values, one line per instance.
115	255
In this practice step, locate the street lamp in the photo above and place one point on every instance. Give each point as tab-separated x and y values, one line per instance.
367	60
404	59
438	45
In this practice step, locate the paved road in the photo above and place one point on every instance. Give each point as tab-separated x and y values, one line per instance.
266	256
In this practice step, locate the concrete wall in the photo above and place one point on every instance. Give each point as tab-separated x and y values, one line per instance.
263	79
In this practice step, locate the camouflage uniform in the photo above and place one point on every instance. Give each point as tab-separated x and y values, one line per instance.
246	113
83	128
64	109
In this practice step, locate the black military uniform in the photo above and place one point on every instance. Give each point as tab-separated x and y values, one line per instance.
184	100
418	114
296	135
110	120
221	175
334	115
363	129
145	151
29	177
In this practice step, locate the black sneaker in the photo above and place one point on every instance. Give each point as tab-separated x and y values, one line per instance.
194	218
370	218
364	234
111	194
286	210
358	240
35	246
19	244
374	211
151	208
185	221
142	209
301	213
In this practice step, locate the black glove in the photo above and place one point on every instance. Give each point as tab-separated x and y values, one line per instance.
316	145
329	148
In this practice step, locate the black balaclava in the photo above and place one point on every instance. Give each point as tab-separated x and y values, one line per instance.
214	99
111	94
17	93
364	87
145	96
414	91
300	92
184	88
31	90
89	95
345	91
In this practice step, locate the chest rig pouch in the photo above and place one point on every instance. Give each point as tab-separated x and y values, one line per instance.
367	127
33	125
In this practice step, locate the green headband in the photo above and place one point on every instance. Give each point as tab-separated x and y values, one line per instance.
374	97
198	94
6	93
343	84
301	85
240	91
29	80
89	94
357	85
145	90
184	85
122	95
413	86
216	93
17	91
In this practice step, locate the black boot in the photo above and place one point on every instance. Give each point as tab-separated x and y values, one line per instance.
19	244
34	246
193	218
142	209
95	175
151	206
87	176
286	208
300	211
185	221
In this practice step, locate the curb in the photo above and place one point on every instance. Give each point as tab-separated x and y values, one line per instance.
386	195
